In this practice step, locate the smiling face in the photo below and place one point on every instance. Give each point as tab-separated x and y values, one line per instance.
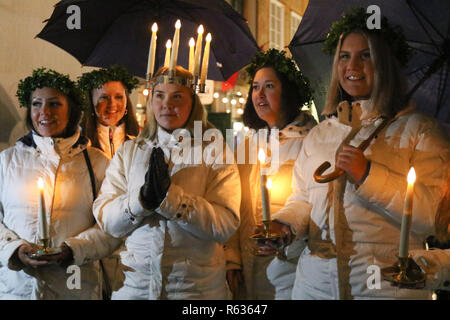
266	95
171	105
49	112
110	103
355	67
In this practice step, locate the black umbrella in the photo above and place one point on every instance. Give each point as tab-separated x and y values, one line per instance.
426	25
118	32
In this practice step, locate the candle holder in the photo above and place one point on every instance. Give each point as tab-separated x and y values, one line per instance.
261	238
45	250
405	274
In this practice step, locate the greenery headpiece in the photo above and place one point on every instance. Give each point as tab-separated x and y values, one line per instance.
284	66
356	19
42	78
95	79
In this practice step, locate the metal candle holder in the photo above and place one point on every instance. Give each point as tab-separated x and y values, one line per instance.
267	235
45	250
405	274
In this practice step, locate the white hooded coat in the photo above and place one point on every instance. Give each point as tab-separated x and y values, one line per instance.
352	238
176	251
68	202
267	277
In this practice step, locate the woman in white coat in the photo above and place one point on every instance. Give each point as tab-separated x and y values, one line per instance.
175	215
55	151
110	119
352	224
277	93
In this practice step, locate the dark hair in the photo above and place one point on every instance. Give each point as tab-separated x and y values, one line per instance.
90	122
74	117
290	104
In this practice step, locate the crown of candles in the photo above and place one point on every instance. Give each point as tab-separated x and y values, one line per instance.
197	83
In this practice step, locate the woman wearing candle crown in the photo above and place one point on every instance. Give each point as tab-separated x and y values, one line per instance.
276	95
352	224
110	119
175	215
55	152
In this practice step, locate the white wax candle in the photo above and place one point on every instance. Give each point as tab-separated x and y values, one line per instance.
167	58
152	51
198	50
175	44
191	55
205	59
407	214
264	191
43	231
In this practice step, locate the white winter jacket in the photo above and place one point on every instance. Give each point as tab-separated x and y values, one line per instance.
359	232
110	139
267	277
68	201
175	252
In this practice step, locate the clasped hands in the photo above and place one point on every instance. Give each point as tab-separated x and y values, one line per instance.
273	247
157	181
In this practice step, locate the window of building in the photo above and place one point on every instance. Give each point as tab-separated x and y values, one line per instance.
295	22
238	5
276	26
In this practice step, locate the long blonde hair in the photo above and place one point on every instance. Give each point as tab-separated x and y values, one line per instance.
389	83
198	112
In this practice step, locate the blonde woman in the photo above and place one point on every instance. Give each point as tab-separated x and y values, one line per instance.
352	224
174	216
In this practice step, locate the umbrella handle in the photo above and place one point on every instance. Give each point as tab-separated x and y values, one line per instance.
318	177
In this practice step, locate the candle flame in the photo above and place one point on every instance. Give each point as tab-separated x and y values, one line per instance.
178	24
261	155
208	37
40	184
269	183
200	29
154	27
145	92
191	42
411	175
168	44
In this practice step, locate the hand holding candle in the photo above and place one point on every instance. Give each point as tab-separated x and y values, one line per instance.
152	51
264	190
43	231
175	44
407	214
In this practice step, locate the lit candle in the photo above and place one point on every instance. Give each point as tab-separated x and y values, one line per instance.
264	190
205	59
152	51
43	232
191	55
407	214
175	44
167	59
198	50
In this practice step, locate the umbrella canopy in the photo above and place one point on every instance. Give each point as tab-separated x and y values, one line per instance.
426	26
119	32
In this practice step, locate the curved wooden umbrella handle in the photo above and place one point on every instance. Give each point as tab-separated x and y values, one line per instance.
318	177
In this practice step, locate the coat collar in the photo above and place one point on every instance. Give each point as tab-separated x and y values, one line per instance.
56	147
